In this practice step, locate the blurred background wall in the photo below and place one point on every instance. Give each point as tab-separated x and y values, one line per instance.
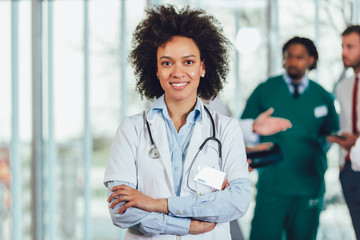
65	85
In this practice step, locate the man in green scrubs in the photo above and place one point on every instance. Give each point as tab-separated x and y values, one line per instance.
290	193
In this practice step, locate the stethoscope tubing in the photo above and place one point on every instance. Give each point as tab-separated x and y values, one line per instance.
154	153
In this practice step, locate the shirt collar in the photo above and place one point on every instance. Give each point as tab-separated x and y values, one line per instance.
304	82
358	75
160	106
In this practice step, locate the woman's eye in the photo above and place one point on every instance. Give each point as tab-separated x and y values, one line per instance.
166	63
189	62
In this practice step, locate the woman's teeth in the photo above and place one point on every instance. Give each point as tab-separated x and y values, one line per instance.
178	84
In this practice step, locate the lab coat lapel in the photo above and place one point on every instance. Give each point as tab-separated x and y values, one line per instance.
200	133
158	131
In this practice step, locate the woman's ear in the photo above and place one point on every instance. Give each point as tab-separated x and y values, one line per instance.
203	70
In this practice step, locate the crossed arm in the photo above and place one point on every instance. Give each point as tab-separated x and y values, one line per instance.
177	215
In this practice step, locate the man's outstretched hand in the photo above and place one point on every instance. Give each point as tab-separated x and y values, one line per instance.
265	125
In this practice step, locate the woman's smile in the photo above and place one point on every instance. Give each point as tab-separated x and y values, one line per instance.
179	85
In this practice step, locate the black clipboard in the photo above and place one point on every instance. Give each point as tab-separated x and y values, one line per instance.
265	157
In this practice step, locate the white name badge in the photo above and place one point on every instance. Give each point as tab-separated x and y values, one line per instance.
320	111
210	177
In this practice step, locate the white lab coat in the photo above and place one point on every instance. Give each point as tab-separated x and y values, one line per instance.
129	160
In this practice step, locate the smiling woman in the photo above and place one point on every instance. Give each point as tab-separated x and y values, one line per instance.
179	56
204	30
179	70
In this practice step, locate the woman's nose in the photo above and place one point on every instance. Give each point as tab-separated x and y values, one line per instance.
178	71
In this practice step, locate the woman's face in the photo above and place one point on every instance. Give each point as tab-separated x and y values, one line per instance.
179	69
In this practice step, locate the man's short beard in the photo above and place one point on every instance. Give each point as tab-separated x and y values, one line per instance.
354	65
294	76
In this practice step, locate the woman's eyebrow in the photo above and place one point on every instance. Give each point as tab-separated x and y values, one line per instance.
189	56
165	57
184	57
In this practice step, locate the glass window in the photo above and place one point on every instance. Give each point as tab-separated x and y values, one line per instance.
112	95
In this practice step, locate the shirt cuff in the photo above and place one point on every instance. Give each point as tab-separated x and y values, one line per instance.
246	126
177	226
179	206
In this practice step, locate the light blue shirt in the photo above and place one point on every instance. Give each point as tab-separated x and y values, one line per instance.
178	141
303	84
213	207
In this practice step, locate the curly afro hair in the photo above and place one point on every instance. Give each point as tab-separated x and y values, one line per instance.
165	22
308	44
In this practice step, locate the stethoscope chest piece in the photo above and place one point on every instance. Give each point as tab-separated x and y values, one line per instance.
154	152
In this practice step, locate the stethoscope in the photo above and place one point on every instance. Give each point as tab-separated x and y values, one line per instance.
154	152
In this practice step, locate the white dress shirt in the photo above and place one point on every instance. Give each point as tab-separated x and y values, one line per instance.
344	93
355	156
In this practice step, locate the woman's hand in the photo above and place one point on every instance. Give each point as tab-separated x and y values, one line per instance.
199	227
134	198
225	184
